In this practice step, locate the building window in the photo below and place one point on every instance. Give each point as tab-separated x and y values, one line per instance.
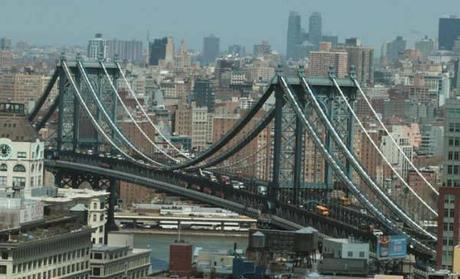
2	269
361	254
22	155
3	167
19	168
3	180
350	253
96	271
19	182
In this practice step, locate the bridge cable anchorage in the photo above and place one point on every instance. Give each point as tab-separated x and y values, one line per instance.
93	120
244	159
107	116
357	166
340	172
158	130
369	104
350	108
242	122
131	116
262	124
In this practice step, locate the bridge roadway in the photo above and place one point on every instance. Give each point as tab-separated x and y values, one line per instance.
195	187
244	201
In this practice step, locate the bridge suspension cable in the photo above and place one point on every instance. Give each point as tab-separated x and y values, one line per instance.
340	172
113	125
357	166
369	104
242	122
93	120
131	116
385	159
241	144
244	159
133	94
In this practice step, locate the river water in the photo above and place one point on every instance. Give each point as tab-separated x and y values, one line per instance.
159	244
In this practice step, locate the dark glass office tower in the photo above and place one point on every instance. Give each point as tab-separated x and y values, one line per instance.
449	31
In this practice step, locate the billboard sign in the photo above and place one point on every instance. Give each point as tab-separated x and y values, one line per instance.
391	246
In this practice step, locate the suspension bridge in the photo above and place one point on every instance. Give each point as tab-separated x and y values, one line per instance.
295	114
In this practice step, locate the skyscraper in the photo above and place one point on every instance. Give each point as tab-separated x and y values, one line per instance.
131	51
449	195
360	57
97	47
425	46
262	49
315	29
210	49
294	35
5	44
170	49
203	94
157	50
320	61
395	48
449	31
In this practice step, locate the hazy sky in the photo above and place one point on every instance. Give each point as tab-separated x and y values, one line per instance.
234	21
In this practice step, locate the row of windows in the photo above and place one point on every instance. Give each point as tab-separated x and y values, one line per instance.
28	266
453	169
453	155
448	242
452	182
449	227
20	167
454	127
96	271
16	168
454	142
449	212
57	272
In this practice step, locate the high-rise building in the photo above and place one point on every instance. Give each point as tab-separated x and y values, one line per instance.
321	61
237	50
201	131
97	47
210	49
157	50
395	49
23	87
315	29
449	31
294	35
449	194
183	59
203	94
361	58
262	49
333	39
425	46
170	49
131	51
5	44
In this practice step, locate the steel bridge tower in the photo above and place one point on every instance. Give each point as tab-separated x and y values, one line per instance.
289	183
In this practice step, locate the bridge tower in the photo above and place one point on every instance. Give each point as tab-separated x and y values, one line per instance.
290	151
75	132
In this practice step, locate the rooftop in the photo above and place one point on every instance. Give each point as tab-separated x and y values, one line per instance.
14	124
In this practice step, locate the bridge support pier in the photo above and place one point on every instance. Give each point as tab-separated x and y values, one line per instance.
110	224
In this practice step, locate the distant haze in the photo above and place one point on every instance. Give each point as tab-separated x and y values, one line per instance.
64	22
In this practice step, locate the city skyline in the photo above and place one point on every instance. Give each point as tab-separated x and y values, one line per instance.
54	22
